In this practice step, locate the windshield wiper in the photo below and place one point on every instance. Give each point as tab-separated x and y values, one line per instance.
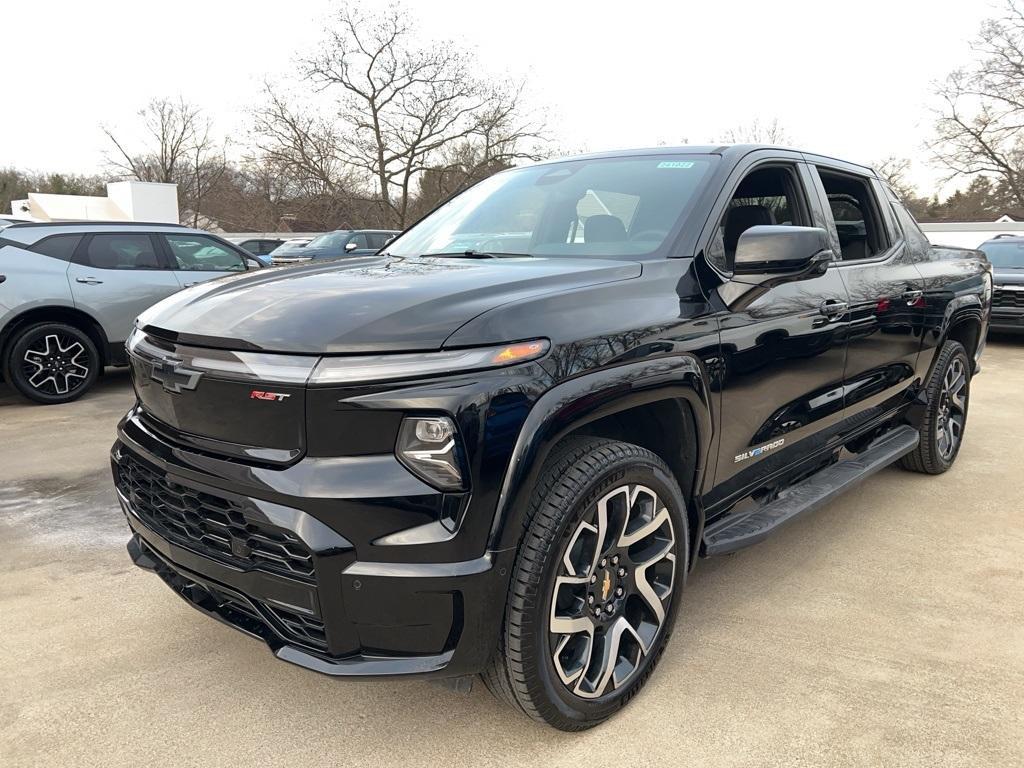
470	254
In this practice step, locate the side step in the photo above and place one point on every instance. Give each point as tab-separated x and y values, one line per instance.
734	533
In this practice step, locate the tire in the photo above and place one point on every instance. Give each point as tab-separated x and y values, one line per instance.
579	689
34	349
945	417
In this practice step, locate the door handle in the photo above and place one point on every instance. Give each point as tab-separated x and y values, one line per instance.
194	282
832	308
912	296
88	280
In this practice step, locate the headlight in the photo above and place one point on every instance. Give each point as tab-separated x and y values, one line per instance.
360	368
429	447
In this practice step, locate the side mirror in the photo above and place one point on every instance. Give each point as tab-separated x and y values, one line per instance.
783	251
349	247
253	264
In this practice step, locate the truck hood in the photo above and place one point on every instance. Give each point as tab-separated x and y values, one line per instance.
373	304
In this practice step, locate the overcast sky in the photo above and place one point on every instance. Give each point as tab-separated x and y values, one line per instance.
851	80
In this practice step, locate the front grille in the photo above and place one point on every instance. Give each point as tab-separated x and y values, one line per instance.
209	524
1008	299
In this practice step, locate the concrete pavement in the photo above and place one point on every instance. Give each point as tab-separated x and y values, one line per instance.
887	629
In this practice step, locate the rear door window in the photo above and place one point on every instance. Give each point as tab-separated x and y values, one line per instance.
125	250
857	215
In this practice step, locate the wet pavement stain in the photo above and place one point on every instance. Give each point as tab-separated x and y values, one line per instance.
80	513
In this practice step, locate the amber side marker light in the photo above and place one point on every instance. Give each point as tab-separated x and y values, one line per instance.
519	352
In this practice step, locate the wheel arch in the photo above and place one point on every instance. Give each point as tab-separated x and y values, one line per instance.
964	319
56	313
628	403
966	326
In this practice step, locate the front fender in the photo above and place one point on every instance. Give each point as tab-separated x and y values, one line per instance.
579	401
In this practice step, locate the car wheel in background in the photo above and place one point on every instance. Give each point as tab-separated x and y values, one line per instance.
51	363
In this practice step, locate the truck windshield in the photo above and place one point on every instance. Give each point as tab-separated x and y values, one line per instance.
612	207
1005	255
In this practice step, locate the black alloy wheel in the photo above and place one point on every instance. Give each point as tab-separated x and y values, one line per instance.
596	585
942	428
952	415
608	603
52	363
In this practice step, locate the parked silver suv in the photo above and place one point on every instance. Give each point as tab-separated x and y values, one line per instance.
70	293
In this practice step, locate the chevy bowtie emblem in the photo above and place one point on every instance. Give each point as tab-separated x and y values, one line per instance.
174	376
606	586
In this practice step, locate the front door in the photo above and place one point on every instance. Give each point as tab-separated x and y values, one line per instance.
197	258
783	346
116	276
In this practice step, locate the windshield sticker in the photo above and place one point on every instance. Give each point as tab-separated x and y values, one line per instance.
675	164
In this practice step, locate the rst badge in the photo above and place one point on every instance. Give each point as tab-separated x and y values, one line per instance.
259	394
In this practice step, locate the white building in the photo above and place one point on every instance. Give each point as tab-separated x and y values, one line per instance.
970	234
125	201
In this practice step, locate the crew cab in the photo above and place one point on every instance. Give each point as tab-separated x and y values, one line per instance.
500	446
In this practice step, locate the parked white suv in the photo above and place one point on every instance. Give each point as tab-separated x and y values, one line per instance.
70	293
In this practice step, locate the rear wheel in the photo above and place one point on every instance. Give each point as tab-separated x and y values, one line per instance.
945	419
51	363
596	585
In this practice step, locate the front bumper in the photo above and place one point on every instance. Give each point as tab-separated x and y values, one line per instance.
316	605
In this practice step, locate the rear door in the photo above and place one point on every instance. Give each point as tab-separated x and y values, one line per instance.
783	345
197	258
885	289
115	276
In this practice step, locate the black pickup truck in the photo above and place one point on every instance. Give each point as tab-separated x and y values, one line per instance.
500	446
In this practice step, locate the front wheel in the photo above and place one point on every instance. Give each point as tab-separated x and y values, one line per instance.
596	584
52	363
945	419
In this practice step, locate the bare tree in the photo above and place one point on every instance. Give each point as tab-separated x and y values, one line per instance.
756	132
303	148
981	108
894	171
170	128
179	148
400	109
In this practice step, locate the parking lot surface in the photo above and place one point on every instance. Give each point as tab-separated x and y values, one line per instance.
887	629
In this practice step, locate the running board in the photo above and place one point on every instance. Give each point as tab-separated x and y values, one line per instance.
734	533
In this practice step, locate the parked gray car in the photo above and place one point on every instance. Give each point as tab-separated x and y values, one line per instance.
70	293
335	245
